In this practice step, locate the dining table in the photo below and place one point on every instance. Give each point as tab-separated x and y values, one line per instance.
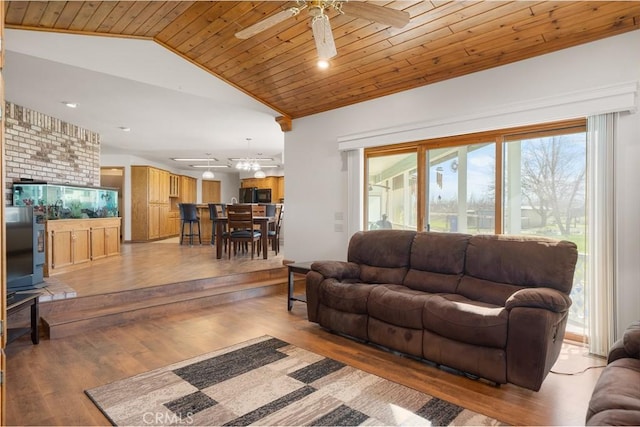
262	221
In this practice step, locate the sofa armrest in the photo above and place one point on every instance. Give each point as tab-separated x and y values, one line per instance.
547	298
339	270
627	346
616	352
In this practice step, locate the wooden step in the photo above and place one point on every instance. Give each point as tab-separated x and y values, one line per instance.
67	317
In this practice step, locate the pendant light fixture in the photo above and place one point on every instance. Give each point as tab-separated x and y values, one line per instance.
208	174
249	163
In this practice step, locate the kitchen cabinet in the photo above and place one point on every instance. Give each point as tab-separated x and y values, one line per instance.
150	190
275	183
188	189
174	185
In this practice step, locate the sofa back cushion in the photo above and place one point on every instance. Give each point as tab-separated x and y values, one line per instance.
383	255
498	265
437	261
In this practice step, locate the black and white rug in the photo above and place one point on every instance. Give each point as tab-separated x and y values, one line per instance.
266	381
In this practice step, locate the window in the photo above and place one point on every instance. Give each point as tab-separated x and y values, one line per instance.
461	190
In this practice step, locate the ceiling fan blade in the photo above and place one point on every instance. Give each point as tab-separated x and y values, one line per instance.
383	15
267	23
323	37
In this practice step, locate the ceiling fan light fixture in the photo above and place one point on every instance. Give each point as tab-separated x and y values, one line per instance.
323	37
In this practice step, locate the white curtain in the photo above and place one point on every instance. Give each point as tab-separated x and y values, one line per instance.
600	278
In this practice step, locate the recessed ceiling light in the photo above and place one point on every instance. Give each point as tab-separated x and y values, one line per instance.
124	129
323	64
70	104
258	159
193	159
210	166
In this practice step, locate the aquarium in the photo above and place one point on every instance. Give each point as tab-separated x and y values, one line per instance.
59	201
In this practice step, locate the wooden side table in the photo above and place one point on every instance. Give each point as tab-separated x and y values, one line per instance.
19	302
300	268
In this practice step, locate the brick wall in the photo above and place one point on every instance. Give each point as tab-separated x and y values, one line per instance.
44	148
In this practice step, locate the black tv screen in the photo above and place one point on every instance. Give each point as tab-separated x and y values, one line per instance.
19	238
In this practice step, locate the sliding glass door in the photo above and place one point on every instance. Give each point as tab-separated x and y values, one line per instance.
528	180
545	195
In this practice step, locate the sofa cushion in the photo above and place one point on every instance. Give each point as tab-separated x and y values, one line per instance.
437	261
486	291
522	260
461	319
616	396
375	274
383	255
397	305
346	297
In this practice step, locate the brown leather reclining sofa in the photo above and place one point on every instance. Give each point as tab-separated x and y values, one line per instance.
616	397
493	306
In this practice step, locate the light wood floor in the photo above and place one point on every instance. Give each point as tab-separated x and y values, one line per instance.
148	264
46	382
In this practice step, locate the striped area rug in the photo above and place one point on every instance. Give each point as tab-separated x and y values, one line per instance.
266	381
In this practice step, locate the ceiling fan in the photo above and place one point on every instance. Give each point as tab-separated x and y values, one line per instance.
317	9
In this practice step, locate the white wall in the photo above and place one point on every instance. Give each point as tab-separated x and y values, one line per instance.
317	180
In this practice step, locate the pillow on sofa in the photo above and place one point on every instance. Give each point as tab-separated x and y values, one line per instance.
437	261
522	260
383	255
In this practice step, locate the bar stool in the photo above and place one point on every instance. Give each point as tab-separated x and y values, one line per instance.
189	214
217	210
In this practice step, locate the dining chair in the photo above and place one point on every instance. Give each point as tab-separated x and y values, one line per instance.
258	210
189	214
217	210
270	209
240	228
274	233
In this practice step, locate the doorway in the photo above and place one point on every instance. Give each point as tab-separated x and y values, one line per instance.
210	191
113	177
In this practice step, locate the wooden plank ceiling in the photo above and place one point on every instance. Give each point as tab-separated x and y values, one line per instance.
444	39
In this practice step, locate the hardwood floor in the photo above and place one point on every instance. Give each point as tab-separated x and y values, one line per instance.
149	264
46	382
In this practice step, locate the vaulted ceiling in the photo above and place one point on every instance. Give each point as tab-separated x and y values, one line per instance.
444	39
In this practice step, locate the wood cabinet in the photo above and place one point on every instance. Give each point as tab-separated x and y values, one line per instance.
174	185
150	190
188	189
105	239
174	223
275	183
75	243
